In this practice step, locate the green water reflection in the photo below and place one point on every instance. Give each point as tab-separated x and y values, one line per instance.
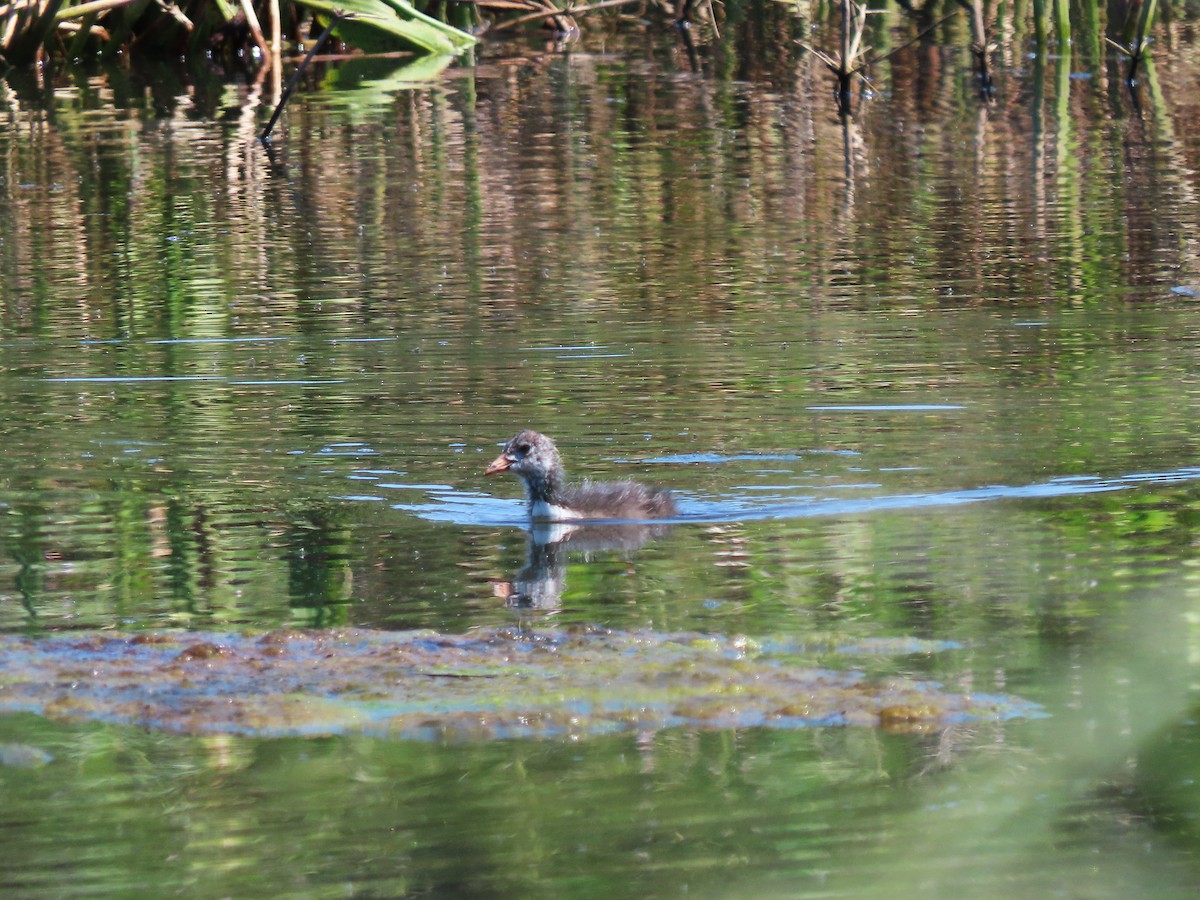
243	397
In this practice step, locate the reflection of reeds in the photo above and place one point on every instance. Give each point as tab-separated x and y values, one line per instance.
1138	20
611	191
981	47
851	56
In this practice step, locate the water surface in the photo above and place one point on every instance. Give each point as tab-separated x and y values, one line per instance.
928	375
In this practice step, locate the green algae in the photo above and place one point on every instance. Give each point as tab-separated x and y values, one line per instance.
483	685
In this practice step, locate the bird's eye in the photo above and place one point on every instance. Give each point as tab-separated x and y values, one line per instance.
522	449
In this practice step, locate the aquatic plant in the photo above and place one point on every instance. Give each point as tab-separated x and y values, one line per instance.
853	56
76	29
491	683
30	29
850	59
1137	20
981	47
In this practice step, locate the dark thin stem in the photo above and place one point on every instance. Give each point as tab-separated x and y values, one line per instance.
916	37
1134	60
265	137
845	99
684	27
979	47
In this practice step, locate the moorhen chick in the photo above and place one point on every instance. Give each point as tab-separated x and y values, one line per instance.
534	459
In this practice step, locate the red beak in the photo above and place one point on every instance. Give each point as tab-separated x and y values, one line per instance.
499	464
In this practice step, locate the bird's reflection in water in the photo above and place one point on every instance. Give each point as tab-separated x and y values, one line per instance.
539	584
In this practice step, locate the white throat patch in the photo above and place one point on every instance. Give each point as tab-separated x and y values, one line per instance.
548	511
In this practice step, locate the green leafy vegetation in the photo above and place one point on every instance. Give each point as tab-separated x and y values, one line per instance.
31	28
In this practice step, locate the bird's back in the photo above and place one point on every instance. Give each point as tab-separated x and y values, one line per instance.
620	500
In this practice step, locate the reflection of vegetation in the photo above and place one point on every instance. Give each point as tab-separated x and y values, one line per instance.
1135	35
202	816
848	60
693	226
181	560
77	30
319	552
1164	779
408	279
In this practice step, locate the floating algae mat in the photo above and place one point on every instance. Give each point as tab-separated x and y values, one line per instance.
486	684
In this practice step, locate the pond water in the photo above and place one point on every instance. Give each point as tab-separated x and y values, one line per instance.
927	376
